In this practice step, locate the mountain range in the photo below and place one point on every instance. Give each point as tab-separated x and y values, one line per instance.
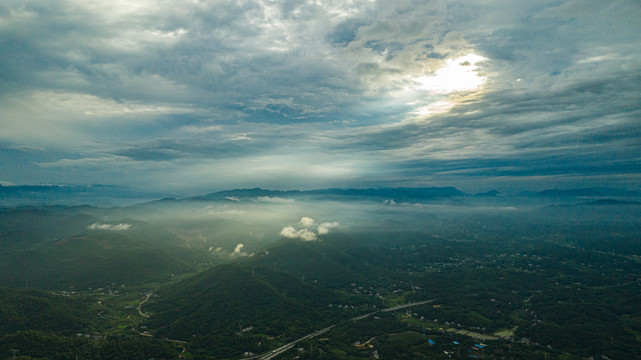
12	196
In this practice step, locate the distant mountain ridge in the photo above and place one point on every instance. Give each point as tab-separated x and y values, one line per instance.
55	188
105	195
583	192
405	194
608	202
385	192
110	195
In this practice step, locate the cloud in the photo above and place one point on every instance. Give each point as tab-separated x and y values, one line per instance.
325	227
202	129
92	162
225	211
109	227
275	200
289	232
308	93
307	234
306	222
238	137
238	251
302	234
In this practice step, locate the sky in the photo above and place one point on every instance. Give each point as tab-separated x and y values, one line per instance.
195	96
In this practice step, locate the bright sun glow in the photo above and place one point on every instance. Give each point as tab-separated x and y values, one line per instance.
460	74
430	93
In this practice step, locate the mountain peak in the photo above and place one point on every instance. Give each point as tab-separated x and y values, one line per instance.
491	193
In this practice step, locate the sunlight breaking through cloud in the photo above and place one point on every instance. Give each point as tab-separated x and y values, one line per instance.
456	75
310	94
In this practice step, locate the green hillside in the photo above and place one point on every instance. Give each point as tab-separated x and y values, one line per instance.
91	260
323	262
229	296
42	345
37	310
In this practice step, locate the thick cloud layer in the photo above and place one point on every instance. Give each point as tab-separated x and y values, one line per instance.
187	97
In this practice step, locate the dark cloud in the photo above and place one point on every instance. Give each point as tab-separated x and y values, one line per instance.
340	92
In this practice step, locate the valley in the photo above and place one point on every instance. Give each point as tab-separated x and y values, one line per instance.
435	281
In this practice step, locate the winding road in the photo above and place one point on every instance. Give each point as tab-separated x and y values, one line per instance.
142	302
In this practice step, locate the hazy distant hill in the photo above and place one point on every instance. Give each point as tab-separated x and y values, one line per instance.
246	193
584	192
609	202
412	195
399	193
23	227
491	193
104	195
604	210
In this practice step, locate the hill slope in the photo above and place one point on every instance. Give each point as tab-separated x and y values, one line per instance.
90	260
229	296
36	310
